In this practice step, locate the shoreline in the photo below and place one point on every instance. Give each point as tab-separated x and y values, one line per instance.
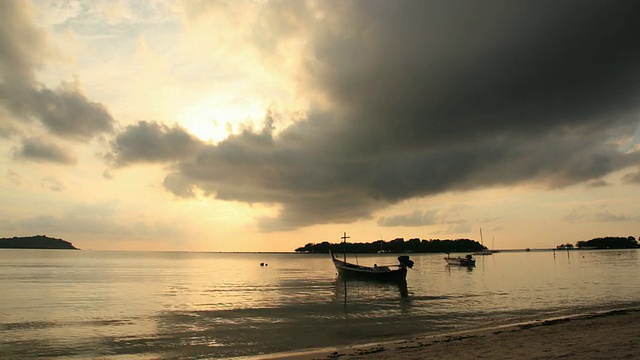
609	334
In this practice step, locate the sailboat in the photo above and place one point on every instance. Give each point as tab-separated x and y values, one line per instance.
485	250
375	272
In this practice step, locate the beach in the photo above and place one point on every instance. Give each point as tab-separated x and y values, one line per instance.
612	334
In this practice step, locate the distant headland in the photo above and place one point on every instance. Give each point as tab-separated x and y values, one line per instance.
35	242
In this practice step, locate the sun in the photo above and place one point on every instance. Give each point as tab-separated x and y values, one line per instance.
217	117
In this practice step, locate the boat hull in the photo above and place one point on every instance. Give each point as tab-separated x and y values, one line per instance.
378	273
460	261
483	252
351	271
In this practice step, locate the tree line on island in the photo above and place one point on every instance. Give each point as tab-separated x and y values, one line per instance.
35	242
608	242
399	245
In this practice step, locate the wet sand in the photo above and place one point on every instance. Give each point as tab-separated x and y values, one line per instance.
613	334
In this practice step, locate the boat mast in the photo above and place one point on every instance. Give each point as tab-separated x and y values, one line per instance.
344	247
481	241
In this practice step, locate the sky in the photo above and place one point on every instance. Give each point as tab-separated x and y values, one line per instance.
266	125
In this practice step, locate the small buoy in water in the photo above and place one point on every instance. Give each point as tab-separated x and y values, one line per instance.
266	264
261	264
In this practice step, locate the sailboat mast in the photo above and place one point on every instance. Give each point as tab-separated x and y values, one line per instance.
344	247
481	240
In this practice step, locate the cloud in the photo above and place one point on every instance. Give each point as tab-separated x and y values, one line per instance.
17	179
606	216
460	228
417	218
36	149
412	99
632	178
65	112
48	182
597	183
152	142
7	129
95	220
179	186
597	215
53	184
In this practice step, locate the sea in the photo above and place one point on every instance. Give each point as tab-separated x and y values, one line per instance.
61	304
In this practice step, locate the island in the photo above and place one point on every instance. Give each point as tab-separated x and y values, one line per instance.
35	242
608	242
398	245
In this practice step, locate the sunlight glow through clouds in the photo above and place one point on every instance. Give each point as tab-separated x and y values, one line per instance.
215	118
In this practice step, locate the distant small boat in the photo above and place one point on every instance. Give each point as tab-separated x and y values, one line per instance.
461	261
483	252
375	272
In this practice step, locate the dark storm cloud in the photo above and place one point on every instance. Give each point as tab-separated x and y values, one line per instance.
447	72
152	142
43	151
68	113
65	112
423	97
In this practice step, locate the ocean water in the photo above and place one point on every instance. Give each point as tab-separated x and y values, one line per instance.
179	305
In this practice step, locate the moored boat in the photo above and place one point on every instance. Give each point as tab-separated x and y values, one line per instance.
461	261
375	272
485	251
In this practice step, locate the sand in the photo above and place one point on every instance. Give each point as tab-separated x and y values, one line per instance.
613	334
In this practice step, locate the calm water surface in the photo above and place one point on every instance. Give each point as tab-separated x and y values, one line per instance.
170	305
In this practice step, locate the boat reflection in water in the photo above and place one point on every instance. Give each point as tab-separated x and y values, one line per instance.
359	303
368	289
